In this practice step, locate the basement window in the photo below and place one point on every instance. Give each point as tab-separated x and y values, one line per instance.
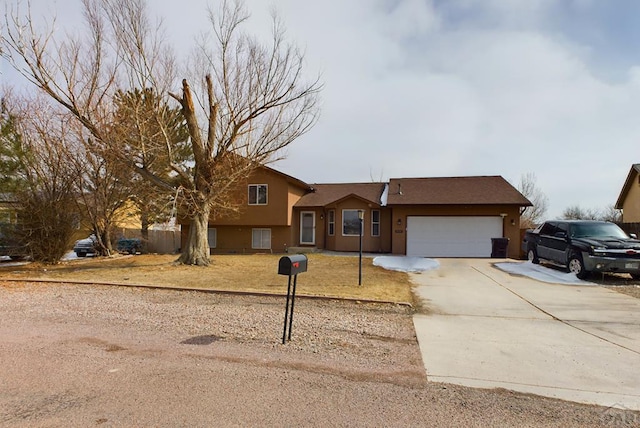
212	235
261	239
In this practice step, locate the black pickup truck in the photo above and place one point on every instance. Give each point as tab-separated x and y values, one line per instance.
584	246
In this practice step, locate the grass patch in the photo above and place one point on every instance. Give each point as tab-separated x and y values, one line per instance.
327	275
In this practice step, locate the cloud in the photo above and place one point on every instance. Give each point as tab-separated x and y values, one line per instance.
461	87
410	18
459	98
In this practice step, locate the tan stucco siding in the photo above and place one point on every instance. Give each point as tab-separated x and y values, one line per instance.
276	212
631	205
511	231
238	240
294	195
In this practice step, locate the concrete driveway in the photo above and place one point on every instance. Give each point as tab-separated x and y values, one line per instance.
486	328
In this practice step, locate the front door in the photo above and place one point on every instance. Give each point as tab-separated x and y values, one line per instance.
307	228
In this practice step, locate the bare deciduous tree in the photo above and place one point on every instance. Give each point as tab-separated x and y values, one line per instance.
531	216
256	105
254	100
610	213
575	212
78	76
45	197
103	187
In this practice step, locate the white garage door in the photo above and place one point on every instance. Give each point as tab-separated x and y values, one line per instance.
452	236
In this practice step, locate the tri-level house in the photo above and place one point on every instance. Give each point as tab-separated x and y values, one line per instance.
430	217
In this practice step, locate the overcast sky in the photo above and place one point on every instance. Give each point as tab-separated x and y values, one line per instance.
426	88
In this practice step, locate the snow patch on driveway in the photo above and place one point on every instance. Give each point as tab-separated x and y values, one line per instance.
405	264
541	273
69	256
7	262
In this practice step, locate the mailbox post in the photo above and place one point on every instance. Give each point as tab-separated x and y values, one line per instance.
361	220
291	266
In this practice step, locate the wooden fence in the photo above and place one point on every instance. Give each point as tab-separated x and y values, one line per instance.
160	241
630	227
164	241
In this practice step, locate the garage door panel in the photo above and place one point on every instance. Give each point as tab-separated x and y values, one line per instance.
451	236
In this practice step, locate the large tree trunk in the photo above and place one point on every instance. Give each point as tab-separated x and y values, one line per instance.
144	229
103	235
196	250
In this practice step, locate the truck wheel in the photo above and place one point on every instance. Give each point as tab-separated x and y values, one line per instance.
577	266
532	256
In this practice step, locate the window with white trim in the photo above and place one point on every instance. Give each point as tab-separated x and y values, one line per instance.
257	194
212	235
350	223
331	219
261	239
375	222
7	217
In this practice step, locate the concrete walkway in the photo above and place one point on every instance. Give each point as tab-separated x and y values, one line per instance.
489	329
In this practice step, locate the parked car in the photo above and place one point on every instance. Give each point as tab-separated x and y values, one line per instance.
129	245
10	243
584	246
85	246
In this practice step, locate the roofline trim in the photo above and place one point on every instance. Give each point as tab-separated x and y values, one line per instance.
626	186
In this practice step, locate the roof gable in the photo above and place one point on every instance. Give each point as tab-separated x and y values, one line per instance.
289	179
473	190
631	177
326	194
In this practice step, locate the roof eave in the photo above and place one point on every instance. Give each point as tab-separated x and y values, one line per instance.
635	169
352	195
290	179
518	204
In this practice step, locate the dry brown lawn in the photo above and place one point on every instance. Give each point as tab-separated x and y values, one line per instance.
327	275
630	290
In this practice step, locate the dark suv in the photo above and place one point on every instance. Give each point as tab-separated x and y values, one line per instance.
584	246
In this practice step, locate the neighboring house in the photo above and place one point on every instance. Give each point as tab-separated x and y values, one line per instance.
431	217
629	199
8	214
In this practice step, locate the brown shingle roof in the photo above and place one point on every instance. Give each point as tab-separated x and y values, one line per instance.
289	179
481	190
325	194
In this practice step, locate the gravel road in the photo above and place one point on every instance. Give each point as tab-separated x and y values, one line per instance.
78	355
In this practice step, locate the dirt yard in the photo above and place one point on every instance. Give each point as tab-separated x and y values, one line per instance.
86	355
327	275
631	290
